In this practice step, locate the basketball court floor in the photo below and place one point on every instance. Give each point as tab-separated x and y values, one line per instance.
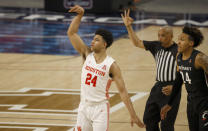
40	70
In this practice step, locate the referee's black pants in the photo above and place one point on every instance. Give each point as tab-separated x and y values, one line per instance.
154	104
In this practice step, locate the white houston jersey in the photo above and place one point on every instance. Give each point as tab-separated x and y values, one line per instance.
95	79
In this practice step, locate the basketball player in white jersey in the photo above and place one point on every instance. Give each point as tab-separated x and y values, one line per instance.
98	71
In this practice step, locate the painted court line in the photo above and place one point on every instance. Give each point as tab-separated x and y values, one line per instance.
43	114
42	94
52	89
133	98
21	106
37	124
23	90
18	127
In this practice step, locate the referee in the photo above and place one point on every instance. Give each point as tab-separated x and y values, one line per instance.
164	51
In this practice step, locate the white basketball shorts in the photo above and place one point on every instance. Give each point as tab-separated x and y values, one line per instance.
93	117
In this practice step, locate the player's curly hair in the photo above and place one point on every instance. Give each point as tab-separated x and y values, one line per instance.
195	35
107	36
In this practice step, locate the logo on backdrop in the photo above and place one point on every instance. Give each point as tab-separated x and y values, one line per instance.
87	4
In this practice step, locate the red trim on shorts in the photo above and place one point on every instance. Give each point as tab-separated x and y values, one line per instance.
78	128
107	88
108	112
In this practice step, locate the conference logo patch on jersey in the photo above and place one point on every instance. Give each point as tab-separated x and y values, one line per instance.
190	61
104	67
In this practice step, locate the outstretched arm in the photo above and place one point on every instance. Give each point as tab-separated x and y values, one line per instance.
117	77
75	39
128	21
202	62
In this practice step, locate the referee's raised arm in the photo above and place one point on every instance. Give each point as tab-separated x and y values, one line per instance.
128	21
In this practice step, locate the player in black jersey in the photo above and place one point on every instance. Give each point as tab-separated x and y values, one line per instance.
164	51
193	72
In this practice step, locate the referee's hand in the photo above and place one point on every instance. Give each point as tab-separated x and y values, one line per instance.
164	111
167	90
126	18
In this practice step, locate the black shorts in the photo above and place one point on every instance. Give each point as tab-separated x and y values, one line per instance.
156	101
197	117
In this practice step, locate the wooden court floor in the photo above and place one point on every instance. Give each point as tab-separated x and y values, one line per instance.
42	92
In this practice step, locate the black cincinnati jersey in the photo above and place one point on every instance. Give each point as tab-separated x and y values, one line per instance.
194	79
165	60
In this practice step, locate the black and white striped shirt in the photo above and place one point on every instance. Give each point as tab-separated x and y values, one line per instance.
165	60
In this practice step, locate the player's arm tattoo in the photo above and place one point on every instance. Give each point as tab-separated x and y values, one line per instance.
203	62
